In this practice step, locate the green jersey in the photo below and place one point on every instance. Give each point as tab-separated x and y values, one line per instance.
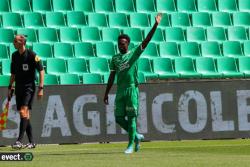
126	68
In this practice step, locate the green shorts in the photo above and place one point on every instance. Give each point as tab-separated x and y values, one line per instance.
127	102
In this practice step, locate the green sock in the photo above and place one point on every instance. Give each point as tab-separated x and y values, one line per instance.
125	125
131	130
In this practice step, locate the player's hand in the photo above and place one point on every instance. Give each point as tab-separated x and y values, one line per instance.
158	18
40	94
106	99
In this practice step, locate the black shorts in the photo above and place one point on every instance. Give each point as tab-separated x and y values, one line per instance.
24	95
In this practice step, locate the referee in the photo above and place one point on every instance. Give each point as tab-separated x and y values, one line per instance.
24	63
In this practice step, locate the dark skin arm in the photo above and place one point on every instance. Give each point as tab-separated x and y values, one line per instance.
109	86
152	31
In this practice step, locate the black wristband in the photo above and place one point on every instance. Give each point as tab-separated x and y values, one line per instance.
40	87
10	86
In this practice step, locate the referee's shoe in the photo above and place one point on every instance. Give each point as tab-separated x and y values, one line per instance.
17	145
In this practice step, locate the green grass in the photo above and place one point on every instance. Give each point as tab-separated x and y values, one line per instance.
211	153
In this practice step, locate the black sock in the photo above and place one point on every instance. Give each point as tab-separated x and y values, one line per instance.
29	132
23	126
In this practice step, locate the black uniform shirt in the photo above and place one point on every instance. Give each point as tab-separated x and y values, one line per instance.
24	66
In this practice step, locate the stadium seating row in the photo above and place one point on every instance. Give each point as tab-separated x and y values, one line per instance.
124	5
163	68
106	50
121	20
93	34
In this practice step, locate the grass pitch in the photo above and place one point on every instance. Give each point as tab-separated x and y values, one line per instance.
193	153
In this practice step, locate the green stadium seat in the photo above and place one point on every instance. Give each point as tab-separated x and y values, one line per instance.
158	35
4	54
97	20
232	49
84	50
206	5
69	79
56	66
241	18
50	79
63	50
20	6
141	77
164	68
6	63
118	20
55	19
244	5
30	33
12	20
47	35
62	5
105	49
174	34
206	67
196	34
69	34
5	6
99	65
201	19
139	20
150	51
169	49
6	35
77	66
4	80
90	34
190	49
33	20
216	34
104	6
135	34
145	6
227	66
165	21
92	78
185	68
76	19
180	20
186	5
244	66
110	34
166	6
221	19
227	5
87	7
12	49
246	46
211	49
106	78
236	33
41	6
124	6
43	50
144	66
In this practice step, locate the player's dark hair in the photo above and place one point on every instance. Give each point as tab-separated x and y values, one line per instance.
124	36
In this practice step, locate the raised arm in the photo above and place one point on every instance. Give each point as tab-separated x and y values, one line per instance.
152	31
109	86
